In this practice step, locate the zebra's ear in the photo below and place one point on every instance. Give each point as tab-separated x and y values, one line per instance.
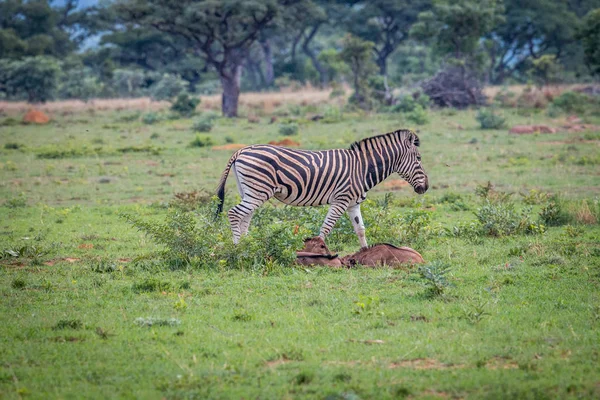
413	139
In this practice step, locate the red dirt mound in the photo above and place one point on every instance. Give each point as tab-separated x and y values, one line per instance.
526	129
285	142
36	117
230	146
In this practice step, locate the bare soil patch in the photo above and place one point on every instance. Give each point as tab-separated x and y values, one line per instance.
501	363
424	363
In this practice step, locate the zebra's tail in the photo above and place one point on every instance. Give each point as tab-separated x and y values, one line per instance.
221	187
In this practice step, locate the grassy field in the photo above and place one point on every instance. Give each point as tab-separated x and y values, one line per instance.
91	308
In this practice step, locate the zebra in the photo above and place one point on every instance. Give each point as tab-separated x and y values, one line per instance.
338	177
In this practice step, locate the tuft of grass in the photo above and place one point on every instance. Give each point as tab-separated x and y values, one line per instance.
289	129
74	324
202	141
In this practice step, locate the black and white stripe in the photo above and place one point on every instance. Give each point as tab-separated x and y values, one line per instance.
340	177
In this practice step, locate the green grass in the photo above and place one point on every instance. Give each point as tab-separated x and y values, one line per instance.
91	310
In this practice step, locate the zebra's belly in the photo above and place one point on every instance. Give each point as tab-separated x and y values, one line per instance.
296	199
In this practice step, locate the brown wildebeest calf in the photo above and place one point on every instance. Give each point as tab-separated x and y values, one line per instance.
383	254
315	252
316	245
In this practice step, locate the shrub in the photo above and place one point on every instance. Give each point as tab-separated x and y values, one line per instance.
418	116
571	102
168	87
501	219
488	119
553	212
185	105
408	103
150	118
196	239
289	129
202	141
204	123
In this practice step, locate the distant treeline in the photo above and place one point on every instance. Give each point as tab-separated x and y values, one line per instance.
126	48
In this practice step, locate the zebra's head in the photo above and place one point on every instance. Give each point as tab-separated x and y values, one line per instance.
409	164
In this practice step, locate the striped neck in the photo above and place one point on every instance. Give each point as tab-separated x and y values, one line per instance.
379	158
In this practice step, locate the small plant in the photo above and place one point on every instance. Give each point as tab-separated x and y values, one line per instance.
434	275
204	123
180	304
13	146
151	321
16	202
185	105
202	141
150	118
366	305
18	283
418	116
475	311
553	212
151	285
289	129
68	324
489	119
242	315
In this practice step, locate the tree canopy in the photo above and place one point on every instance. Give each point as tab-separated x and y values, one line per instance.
126	47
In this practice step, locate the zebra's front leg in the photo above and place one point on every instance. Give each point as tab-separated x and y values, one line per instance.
357	223
334	213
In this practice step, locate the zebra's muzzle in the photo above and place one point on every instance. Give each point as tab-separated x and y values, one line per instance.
421	188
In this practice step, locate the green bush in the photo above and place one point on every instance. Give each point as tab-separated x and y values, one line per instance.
488	119
289	129
501	219
168	87
196	239
418	116
571	102
204	123
553	212
150	118
408	103
202	141
185	105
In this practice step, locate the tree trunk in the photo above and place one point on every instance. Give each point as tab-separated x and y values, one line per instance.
230	81
382	64
268	56
313	58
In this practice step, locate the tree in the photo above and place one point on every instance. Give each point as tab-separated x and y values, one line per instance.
357	53
456	27
589	34
32	28
545	70
220	31
388	23
531	28
32	78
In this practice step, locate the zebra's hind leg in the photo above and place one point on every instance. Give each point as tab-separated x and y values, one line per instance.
357	222
239	218
334	213
245	223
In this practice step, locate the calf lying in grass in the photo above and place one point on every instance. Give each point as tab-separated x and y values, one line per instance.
315	252
383	254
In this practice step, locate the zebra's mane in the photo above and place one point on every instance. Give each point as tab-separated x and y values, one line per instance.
356	145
